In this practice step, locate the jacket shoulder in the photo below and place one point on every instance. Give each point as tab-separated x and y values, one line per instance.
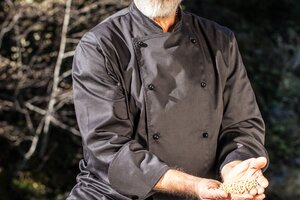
209	26
110	26
218	38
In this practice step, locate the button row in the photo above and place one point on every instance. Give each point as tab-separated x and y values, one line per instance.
156	136
142	44
152	87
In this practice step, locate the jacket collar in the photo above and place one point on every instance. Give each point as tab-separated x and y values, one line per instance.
149	23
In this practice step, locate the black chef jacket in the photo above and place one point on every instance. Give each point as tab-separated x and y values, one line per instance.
147	101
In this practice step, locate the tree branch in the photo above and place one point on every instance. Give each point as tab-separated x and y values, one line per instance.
56	75
9	27
64	126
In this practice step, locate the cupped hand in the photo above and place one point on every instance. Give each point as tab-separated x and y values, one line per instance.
208	189
250	170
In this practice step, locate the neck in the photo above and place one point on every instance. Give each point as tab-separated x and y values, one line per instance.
166	23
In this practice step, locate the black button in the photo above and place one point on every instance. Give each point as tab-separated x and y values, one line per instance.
193	40
151	87
141	44
205	135
156	136
203	84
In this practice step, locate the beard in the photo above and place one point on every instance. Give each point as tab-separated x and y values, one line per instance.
157	8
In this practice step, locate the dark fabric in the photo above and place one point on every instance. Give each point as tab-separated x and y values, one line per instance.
147	101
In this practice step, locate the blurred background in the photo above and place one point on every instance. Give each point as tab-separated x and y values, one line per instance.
39	140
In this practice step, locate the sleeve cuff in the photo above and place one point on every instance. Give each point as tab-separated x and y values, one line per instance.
135	173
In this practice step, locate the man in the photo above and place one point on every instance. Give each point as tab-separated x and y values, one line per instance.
164	106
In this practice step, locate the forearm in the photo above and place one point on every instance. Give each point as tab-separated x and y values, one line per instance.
177	182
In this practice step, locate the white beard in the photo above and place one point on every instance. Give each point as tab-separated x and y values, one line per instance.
157	8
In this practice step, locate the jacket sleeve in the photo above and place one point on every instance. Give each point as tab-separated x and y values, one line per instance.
242	131
107	131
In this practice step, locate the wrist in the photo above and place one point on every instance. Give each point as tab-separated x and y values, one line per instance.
178	182
196	186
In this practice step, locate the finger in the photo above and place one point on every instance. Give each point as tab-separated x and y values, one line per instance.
254	170
259	197
241	196
262	181
213	184
260	190
259	163
251	173
253	192
257	174
218	194
243	166
213	194
255	166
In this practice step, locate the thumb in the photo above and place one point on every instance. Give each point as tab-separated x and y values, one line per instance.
259	163
218	194
239	169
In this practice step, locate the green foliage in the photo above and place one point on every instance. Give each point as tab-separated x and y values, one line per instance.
29	188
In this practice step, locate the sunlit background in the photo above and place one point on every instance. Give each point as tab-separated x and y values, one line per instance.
40	144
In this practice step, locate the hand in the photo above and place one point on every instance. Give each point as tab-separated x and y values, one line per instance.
208	189
247	170
174	181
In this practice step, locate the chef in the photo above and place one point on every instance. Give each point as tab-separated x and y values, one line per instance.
165	108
